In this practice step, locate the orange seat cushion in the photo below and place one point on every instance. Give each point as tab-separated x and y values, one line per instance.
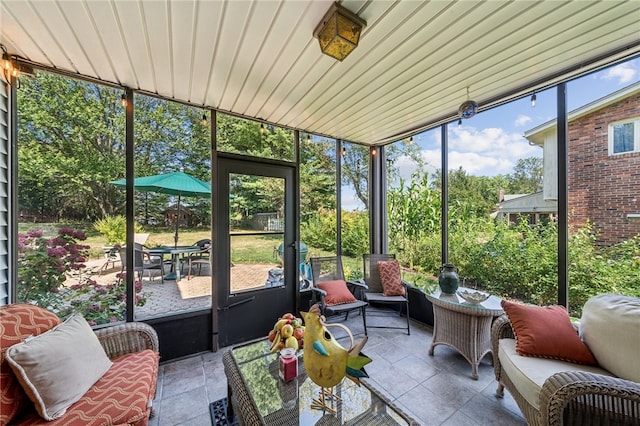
337	292
547	332
18	321
120	397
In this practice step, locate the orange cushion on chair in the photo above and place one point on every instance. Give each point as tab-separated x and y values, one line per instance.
547	332
391	278
18	321
337	292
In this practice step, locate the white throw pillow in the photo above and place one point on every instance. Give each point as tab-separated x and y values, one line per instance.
58	367
610	327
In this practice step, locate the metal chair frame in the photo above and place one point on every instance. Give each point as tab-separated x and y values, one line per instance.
142	262
202	257
329	269
374	292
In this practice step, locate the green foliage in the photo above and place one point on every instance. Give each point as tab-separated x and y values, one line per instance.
319	231
526	177
114	229
98	304
45	264
71	144
317	178
355	233
414	221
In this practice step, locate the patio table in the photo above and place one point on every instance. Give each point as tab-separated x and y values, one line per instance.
463	326
261	397
174	252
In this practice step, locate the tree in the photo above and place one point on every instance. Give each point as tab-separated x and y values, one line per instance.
355	170
71	143
472	195
317	177
527	176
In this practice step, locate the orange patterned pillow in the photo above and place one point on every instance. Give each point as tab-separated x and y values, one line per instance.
546	332
390	278
337	292
17	322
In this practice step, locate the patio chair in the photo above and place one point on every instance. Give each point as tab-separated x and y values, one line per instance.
375	291
332	292
199	258
142	262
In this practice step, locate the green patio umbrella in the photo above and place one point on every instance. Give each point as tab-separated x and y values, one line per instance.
176	183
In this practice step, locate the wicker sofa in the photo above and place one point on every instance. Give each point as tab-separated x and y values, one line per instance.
555	392
121	396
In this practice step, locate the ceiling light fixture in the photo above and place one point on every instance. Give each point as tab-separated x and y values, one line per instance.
533	99
308	137
123	99
468	108
344	151
205	122
339	31
262	128
459	123
411	139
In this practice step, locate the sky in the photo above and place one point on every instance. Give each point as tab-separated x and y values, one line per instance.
491	142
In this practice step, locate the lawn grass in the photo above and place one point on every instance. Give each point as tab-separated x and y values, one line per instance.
258	249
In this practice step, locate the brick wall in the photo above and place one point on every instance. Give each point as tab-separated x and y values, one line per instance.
604	188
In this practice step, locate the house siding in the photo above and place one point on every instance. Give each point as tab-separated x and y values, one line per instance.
604	188
4	193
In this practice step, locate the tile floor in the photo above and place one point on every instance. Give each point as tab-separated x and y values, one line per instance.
435	390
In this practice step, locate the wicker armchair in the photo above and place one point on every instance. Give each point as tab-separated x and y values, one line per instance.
570	397
121	396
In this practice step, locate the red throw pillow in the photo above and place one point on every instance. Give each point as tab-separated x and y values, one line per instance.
337	292
390	278
547	332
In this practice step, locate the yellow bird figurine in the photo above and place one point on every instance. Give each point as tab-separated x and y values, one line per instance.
325	360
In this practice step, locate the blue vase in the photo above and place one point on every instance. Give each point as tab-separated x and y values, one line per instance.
448	280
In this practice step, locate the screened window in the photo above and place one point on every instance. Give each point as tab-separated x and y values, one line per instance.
624	137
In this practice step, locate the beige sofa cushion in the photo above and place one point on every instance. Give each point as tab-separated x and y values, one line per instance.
528	374
57	368
610	327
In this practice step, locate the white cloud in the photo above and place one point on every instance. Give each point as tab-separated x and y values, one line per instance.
522	119
624	73
350	201
480	152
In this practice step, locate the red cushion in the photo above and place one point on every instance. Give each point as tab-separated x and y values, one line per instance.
18	321
547	332
120	396
391	278
337	292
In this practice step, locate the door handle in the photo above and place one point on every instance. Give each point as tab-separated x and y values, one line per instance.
239	302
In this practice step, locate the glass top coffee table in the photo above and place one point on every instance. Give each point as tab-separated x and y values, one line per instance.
463	326
259	396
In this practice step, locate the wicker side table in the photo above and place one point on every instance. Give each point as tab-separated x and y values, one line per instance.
462	326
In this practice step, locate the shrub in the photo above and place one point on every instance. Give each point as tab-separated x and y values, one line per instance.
114	229
45	265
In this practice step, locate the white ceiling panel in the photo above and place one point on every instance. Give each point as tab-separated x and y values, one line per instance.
258	58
